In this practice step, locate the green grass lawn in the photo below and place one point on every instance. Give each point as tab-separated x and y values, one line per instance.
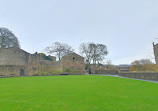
77	93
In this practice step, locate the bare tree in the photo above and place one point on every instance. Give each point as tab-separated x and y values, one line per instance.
136	63
86	50
108	64
93	52
141	62
8	39
141	65
101	52
145	62
59	49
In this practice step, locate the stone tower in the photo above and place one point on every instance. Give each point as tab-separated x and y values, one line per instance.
155	46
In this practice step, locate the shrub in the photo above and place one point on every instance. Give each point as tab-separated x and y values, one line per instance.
67	69
86	66
47	58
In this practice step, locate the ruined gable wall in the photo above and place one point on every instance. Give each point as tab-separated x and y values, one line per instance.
77	63
13	56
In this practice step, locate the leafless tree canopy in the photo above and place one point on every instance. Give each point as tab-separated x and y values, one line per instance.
109	62
8	39
60	49
93	52
86	50
141	62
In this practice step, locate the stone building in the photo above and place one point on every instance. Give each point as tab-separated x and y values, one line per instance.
155	47
74	62
17	62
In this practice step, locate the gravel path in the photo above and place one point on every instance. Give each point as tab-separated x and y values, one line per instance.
126	77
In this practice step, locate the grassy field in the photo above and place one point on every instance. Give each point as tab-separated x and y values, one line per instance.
77	93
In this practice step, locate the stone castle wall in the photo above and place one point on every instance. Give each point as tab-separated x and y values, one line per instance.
34	59
13	56
29	70
16	62
51	69
14	70
155	46
17	56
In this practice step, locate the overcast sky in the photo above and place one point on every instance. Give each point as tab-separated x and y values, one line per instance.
127	27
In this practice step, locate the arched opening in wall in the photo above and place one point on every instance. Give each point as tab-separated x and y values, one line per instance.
22	72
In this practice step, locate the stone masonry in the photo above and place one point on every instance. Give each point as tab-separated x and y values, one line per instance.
155	47
17	62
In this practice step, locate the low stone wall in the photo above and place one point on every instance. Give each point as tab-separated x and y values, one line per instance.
15	70
35	70
113	72
10	70
142	75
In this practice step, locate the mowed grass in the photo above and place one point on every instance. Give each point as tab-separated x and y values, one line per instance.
77	93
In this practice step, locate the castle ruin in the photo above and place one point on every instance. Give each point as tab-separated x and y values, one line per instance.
17	62
155	47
